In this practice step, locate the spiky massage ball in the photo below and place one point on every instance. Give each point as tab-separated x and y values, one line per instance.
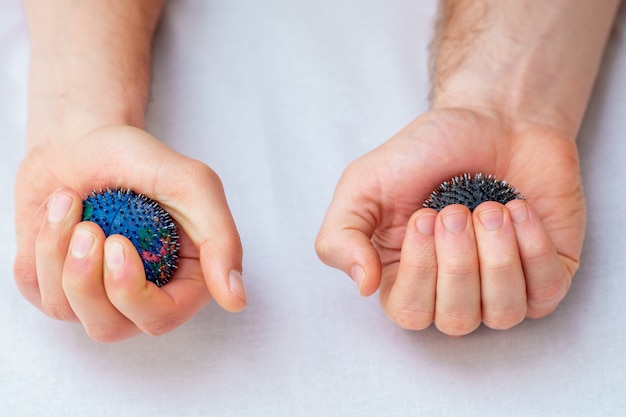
144	222
471	191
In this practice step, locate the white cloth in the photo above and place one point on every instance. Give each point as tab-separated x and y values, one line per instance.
278	97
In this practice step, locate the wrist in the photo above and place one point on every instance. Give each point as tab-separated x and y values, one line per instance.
64	104
516	101
527	65
90	65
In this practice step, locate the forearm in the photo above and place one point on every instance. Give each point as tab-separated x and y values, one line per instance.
531	62
90	64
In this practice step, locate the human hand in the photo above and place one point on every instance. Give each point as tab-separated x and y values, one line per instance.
496	265
71	272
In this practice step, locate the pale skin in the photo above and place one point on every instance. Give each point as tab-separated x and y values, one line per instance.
508	98
511	81
88	90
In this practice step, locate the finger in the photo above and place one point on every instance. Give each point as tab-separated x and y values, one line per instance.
200	207
193	194
408	298
344	239
152	309
344	242
63	213
502	284
84	287
25	265
547	279
350	251
457	308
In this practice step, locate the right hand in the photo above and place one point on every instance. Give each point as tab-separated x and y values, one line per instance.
68	269
377	231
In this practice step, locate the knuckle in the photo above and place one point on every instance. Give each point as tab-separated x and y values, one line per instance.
80	288
194	175
538	251
48	242
458	267
106	333
203	173
504	318
323	246
549	290
58	311
75	287
161	326
456	324
501	265
229	241
410	319
24	275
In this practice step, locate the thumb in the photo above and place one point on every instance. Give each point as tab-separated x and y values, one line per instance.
344	242
193	194
200	207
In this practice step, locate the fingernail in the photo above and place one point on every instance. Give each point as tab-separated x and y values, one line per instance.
456	221
235	284
426	224
114	255
59	207
82	241
518	212
357	273
491	219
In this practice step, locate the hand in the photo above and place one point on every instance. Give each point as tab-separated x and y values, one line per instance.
456	268
70	271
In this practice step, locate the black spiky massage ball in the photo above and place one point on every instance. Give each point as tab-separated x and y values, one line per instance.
471	191
144	222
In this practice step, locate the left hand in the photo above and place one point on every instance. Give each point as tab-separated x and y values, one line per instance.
69	270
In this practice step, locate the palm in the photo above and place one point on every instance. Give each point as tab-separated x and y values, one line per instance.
542	165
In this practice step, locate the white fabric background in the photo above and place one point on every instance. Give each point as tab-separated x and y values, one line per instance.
278	96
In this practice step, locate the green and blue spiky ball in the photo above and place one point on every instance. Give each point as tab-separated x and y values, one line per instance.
470	191
144	222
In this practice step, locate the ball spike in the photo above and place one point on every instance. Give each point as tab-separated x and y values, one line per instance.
144	222
471	191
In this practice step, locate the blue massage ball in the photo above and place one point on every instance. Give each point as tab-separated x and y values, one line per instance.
144	222
470	191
